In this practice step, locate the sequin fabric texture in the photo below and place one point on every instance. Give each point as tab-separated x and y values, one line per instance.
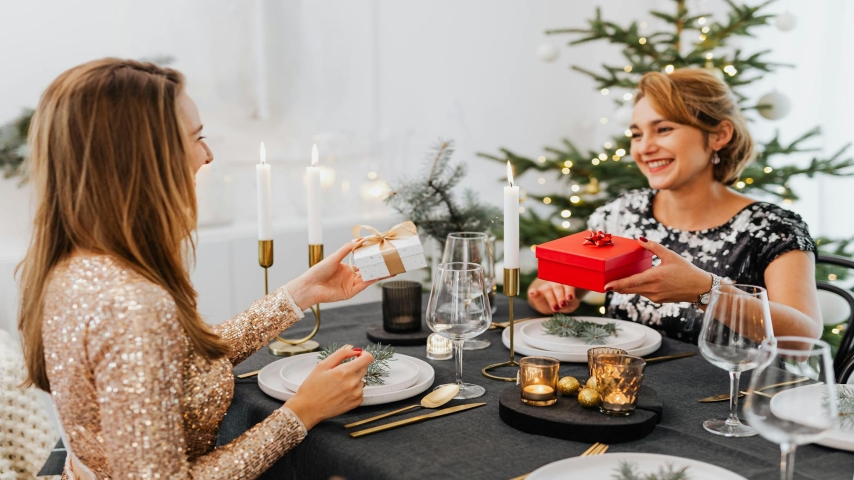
739	250
133	397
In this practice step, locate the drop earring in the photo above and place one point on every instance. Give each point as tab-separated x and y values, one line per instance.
716	159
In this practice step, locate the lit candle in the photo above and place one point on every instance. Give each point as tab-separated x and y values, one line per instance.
439	347
511	222
265	212
315	233
538	393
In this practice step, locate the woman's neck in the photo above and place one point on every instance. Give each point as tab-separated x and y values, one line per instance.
699	206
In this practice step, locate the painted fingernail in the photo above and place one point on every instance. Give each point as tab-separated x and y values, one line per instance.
532	293
643	239
571	296
608	289
563	303
554	307
358	351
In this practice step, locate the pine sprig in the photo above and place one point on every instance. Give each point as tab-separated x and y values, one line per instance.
592	333
630	471
429	199
13	146
377	370
845	405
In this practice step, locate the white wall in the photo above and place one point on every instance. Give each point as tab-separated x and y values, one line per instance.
373	83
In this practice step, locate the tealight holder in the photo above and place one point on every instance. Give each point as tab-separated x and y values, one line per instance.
401	306
618	379
591	355
439	347
538	380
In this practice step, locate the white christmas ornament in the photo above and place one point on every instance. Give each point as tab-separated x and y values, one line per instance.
548	52
778	105
786	22
623	115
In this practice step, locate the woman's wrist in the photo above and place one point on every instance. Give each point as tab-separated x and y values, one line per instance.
299	293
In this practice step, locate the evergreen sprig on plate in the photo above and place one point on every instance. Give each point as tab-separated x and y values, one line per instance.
377	370
592	333
845	402
629	471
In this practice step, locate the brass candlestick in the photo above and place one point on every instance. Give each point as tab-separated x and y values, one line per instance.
511	289
284	347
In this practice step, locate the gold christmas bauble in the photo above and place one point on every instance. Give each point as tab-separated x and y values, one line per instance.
568	385
588	397
591	383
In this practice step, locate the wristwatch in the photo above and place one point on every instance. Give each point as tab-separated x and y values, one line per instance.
705	298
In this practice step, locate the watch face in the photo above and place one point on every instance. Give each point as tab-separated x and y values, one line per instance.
704	299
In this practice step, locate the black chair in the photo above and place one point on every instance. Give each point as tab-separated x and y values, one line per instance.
844	373
846	345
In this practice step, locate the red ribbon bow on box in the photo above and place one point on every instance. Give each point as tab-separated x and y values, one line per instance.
598	239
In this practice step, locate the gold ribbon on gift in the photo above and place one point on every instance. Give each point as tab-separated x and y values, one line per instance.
391	257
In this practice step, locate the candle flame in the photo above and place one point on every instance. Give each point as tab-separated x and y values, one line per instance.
263	154
314	155
509	174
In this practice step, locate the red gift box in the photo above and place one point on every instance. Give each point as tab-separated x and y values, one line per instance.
569	261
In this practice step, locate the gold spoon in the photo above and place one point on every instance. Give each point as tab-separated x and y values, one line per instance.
434	399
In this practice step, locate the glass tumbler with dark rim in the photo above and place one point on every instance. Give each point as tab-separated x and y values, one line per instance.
401	306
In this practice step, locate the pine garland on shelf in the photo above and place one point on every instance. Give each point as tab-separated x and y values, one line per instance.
377	370
430	202
13	146
592	333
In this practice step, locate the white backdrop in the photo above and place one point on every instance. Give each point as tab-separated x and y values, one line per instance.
373	83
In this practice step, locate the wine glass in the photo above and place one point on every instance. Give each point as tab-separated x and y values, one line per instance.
803	406
458	309
477	248
736	322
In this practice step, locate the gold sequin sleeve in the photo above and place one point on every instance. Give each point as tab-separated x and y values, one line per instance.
138	356
251	330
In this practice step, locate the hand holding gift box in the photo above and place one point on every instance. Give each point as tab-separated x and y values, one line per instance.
589	260
385	254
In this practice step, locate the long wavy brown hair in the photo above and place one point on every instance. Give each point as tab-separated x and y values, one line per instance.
111	177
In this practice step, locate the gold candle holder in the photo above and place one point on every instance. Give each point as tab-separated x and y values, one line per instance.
284	347
618	380
594	352
511	289
538	380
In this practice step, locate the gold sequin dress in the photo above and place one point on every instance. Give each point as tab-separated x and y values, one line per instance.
133	398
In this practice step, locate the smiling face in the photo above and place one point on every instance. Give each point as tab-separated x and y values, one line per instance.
198	153
669	154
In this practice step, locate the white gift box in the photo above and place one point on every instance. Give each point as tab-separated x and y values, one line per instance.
371	264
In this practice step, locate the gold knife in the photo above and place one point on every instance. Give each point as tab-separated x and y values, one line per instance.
670	357
400	423
725	396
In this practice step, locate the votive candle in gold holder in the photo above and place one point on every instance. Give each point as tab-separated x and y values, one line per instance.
439	347
591	355
538	380
618	379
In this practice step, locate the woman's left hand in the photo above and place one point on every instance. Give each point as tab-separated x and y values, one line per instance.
675	279
328	281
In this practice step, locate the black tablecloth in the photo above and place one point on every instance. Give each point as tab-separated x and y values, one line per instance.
477	445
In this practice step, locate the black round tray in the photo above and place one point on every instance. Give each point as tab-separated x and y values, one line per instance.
376	334
568	420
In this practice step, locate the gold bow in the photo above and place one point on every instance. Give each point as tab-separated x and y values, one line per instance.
390	255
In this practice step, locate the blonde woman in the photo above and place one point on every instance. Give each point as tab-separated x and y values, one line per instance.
140	382
691	142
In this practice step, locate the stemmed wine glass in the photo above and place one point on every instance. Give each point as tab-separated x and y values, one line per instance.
458	309
736	322
798	412
474	247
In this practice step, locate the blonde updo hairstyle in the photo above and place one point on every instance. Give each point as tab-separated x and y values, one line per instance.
695	97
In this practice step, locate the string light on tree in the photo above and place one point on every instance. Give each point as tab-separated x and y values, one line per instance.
566	214
604	91
668	69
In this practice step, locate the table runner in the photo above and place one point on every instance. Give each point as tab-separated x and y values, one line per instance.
477	445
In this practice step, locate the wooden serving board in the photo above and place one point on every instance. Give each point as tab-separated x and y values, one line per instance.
568	420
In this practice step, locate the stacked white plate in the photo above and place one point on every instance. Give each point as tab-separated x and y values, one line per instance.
408	376
793	403
530	339
605	466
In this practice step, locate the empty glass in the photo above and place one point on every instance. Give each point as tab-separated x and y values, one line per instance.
802	406
737	320
474	247
459	309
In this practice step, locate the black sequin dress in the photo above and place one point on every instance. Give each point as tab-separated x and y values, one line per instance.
739	250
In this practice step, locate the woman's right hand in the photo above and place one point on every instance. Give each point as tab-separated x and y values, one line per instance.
331	388
549	297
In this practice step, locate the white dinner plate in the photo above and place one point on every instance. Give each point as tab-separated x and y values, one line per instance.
270	383
629	336
651	342
605	466
402	373
795	402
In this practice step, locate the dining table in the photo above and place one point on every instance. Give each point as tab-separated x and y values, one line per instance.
477	444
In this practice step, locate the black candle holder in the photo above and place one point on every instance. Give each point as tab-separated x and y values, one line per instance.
401	306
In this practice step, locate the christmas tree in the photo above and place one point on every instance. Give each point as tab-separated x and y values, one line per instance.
591	178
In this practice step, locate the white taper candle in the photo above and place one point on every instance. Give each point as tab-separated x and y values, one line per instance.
315	232
265	198
511	222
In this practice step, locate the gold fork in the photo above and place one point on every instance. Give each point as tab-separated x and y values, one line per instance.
595	449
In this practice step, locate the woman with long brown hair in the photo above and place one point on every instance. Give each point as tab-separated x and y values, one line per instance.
691	142
140	383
